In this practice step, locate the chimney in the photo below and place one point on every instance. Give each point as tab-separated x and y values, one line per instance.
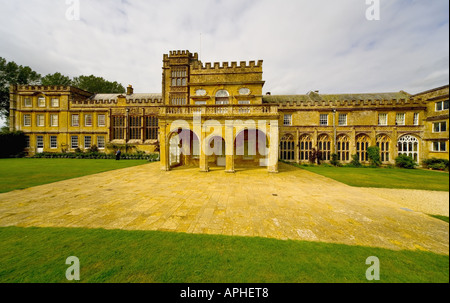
129	90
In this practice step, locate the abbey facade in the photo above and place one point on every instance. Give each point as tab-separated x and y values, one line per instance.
216	115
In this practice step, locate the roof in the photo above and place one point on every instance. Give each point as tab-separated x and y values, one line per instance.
313	96
128	97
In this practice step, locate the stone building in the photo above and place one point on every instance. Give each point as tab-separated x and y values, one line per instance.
217	115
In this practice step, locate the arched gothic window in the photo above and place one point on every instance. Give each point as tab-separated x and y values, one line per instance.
409	145
343	148
287	148
362	143
305	147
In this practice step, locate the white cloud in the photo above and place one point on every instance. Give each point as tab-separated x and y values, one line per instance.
323	44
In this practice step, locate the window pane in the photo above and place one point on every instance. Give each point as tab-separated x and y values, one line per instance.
101	142
87	142
88	120
74	142
40	141
75	120
53	142
436	127
435	146
101	120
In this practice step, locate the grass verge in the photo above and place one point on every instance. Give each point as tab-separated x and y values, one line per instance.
24	173
384	177
39	254
443	218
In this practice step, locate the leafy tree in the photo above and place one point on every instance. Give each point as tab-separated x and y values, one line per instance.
13	144
11	73
97	85
56	79
373	153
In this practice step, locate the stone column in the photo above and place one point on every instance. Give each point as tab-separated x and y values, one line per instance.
353	143
272	166
394	146
229	148
203	157
163	147
296	148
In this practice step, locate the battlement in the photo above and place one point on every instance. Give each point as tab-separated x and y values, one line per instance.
181	53
227	65
296	101
47	89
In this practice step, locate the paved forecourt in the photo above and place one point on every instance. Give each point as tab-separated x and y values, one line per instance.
293	204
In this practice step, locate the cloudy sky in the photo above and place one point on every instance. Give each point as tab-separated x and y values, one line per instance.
326	45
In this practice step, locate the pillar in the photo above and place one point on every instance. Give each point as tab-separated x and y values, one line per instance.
296	147
229	148
272	166
163	147
203	157
353	143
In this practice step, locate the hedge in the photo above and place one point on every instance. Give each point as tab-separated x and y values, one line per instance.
97	155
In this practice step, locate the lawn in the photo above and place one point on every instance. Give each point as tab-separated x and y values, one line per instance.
24	173
385	177
39	254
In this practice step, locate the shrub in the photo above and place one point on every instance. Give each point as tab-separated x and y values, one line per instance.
93	149
438	166
373	153
434	163
334	160
404	161
355	161
98	155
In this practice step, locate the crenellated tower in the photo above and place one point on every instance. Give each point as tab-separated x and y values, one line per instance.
187	81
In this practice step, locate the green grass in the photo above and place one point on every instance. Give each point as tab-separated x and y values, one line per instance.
24	173
385	177
443	218
39	254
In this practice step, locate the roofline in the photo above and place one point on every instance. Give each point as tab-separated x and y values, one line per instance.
430	90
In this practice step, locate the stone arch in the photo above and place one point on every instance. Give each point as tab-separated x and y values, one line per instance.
183	147
250	146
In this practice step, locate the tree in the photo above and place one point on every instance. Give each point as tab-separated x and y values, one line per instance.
13	144
97	85
56	79
11	73
373	153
